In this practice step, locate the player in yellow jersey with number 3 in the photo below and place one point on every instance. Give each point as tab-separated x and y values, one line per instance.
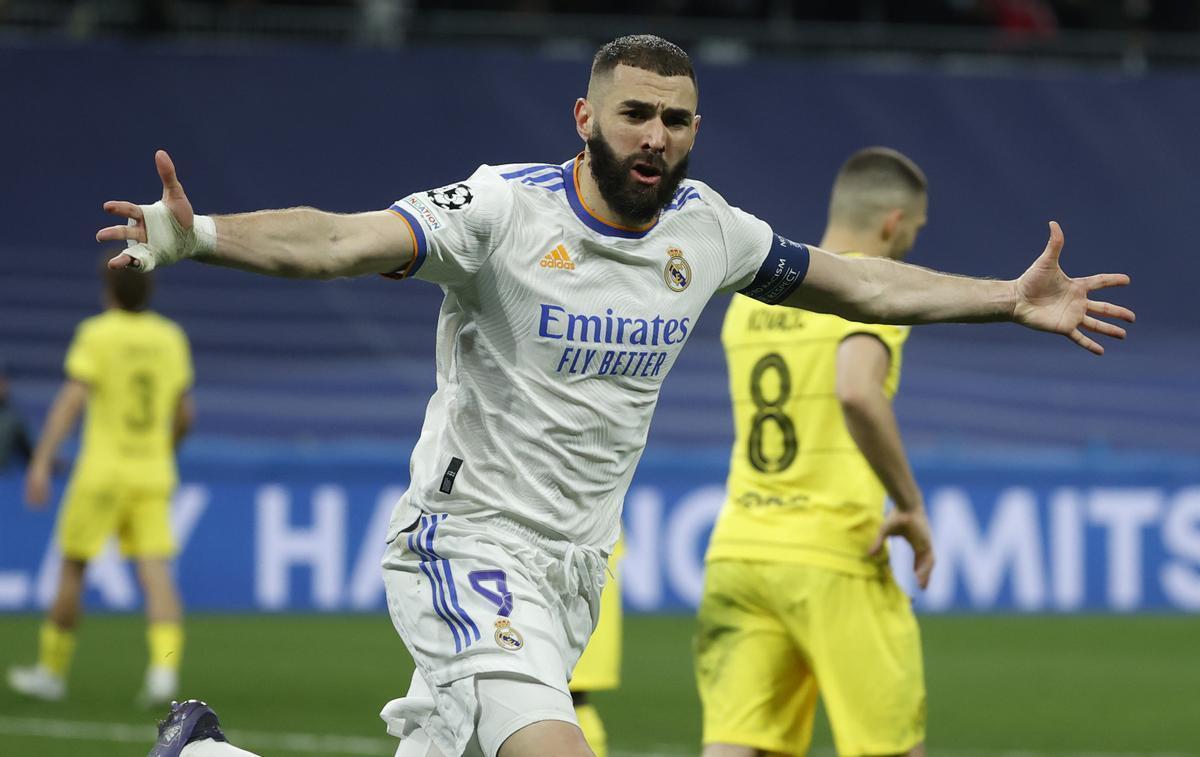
798	595
132	369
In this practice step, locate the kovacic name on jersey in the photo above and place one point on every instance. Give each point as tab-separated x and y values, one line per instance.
555	322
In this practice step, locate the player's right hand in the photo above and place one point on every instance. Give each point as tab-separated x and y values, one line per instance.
913	527
37	487
135	231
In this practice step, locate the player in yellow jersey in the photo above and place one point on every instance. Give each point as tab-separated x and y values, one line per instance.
798	596
132	369
599	668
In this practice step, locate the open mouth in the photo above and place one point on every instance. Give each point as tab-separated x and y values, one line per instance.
646	173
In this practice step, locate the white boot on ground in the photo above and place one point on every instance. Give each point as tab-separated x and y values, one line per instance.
38	682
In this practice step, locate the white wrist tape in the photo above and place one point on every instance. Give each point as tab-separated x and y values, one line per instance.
205	229
166	241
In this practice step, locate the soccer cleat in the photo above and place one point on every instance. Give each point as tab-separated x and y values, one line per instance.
160	687
38	682
188	721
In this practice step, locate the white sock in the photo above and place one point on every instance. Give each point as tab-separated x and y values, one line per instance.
210	748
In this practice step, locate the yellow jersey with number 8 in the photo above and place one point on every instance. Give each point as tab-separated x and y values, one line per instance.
136	366
799	490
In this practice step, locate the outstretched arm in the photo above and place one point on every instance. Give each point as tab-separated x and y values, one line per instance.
875	290
297	242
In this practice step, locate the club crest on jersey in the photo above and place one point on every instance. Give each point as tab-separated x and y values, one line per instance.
677	273
508	637
454	197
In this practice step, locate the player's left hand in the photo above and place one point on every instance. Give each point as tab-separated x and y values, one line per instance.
1049	300
913	527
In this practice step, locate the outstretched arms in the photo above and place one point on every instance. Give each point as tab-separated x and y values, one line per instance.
297	242
876	290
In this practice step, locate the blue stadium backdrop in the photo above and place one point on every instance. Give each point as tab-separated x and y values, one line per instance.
276	535
1057	482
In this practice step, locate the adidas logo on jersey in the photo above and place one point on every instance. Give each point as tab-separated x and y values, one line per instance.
558	258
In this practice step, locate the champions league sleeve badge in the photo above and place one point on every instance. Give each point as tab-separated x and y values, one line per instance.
508	637
677	273
454	197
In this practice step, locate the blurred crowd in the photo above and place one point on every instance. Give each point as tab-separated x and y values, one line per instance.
1034	16
1166	15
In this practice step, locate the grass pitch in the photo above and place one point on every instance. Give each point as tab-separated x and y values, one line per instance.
294	686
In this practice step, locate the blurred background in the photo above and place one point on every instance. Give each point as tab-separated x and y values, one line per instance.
1064	489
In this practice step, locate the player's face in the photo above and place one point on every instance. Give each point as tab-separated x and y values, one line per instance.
643	128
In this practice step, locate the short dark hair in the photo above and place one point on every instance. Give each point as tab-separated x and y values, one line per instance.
129	288
645	51
884	165
872	179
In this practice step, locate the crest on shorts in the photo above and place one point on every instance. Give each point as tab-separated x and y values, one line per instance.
508	637
678	272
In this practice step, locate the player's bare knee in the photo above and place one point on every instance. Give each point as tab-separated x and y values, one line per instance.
544	737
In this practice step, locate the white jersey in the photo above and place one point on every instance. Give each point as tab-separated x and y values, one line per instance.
555	335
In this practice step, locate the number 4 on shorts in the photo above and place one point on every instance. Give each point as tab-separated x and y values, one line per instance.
500	596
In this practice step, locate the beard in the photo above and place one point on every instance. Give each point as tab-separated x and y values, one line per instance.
630	200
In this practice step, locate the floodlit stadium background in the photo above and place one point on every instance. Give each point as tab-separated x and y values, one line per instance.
1064	489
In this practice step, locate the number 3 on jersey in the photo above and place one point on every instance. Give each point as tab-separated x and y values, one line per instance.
140	417
770	410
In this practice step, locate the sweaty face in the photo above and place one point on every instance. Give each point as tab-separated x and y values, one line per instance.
643	129
636	186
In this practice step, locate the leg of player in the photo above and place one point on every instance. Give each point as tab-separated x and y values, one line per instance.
599	669
546	737
590	722
56	644
917	751
164	632
520	717
210	748
735	750
515	716
495	615
866	651
757	690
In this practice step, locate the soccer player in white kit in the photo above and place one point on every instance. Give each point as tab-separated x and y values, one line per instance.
569	290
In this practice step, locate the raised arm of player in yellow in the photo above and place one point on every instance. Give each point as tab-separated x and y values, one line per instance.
877	290
297	242
862	370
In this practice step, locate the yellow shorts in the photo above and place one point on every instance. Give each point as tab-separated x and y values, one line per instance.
139	516
600	666
771	634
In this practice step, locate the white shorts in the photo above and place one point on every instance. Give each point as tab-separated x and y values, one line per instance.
488	598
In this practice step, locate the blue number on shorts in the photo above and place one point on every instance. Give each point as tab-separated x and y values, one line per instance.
501	597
